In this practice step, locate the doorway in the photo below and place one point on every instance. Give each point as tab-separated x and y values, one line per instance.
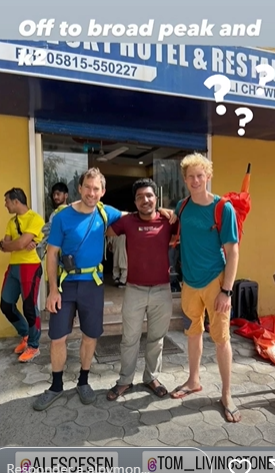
122	163
119	192
119	195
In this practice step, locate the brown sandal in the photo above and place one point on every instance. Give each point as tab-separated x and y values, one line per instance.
159	390
115	390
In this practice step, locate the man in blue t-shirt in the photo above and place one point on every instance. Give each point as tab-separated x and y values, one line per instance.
207	277
77	238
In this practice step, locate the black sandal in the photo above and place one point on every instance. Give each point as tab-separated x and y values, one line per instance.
159	391
115	391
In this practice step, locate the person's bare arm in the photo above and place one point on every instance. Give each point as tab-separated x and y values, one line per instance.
54	298
52	259
6	238
231	267
110	232
169	214
223	302
173	239
19	244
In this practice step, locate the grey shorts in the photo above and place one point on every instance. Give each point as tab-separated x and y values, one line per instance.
87	299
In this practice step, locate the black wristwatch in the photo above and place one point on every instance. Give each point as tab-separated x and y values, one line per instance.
227	292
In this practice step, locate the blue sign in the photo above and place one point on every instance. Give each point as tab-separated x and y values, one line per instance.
165	69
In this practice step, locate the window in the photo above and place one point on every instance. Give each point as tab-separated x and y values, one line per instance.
62	165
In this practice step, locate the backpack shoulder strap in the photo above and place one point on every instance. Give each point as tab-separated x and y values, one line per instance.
60	207
218	213
103	214
17	224
183	204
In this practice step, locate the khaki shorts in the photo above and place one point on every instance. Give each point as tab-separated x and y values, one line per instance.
195	301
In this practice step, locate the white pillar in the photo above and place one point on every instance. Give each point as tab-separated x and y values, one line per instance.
37	189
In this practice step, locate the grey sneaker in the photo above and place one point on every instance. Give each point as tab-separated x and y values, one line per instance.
86	394
46	399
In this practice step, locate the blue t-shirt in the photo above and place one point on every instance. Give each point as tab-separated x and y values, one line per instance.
202	257
68	230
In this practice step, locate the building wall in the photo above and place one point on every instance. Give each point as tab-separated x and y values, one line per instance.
15	172
230	158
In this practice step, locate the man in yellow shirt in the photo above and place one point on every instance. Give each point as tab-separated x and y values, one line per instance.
23	275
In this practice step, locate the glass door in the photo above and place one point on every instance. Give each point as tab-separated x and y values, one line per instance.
171	189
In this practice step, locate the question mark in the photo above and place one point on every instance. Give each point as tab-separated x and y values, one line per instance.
269	75
248	115
225	86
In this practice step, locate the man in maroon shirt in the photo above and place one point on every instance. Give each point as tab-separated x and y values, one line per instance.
148	288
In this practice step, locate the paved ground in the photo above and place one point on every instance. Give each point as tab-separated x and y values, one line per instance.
139	418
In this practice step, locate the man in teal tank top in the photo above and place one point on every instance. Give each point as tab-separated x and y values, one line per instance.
208	277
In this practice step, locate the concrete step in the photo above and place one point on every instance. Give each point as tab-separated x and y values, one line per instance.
112	321
113	327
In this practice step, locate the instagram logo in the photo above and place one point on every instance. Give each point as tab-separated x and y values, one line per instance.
152	464
25	465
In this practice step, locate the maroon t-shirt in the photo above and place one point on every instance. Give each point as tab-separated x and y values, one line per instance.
147	244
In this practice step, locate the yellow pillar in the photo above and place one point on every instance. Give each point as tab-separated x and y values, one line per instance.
230	158
15	172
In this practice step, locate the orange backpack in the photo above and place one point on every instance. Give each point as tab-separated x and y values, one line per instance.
239	202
